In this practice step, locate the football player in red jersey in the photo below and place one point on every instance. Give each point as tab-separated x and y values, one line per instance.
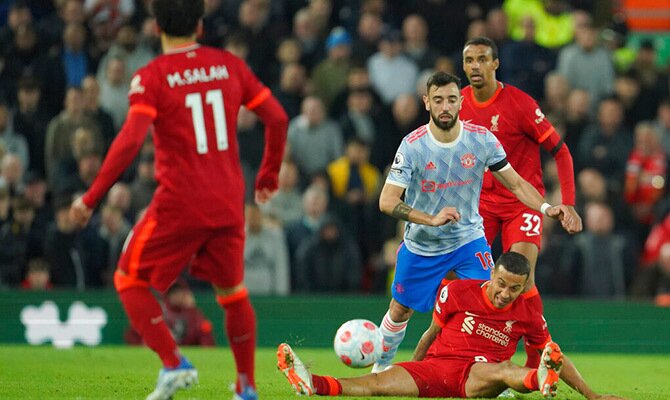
467	349
517	121
191	94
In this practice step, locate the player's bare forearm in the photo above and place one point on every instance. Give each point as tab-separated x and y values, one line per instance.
404	212
401	211
390	203
426	340
529	196
523	190
571	376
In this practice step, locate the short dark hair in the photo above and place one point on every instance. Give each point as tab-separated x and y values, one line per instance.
514	262
440	79
483	41
28	83
178	17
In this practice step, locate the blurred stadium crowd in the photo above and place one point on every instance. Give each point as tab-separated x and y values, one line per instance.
350	74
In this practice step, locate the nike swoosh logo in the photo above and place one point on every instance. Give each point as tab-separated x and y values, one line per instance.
468	121
156	320
471	314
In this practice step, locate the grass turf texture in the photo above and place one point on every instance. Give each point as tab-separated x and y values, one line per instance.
130	373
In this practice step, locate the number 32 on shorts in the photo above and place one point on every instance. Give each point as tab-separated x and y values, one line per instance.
531	224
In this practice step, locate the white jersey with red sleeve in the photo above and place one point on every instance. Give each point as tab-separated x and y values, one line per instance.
195	93
472	328
517	121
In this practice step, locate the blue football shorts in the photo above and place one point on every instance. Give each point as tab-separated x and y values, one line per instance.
418	277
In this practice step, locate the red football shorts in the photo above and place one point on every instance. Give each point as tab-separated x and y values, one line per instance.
157	251
517	223
439	377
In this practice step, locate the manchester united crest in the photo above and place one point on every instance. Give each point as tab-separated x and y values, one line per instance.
468	160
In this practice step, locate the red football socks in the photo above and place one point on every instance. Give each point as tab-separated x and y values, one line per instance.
326	385
530	381
240	322
146	317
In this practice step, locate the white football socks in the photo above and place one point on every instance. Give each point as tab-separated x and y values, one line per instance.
393	334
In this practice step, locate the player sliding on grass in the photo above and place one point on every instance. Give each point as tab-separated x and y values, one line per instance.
466	352
439	169
191	94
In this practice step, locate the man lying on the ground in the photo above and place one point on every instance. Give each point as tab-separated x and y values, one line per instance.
467	349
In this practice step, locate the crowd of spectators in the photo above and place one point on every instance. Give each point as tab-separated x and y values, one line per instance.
350	74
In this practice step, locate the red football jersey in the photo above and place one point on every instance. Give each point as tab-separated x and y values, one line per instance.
197	92
517	121
472	328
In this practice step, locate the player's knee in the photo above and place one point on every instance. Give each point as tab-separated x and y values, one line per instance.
123	281
502	371
228	296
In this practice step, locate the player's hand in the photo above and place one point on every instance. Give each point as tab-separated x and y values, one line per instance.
571	222
80	213
261	196
556	212
446	215
576	221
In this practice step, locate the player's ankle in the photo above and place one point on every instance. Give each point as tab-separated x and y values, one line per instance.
326	385
530	381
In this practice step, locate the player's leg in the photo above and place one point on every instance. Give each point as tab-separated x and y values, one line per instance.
221	262
414	288
522	234
489	380
393	328
240	325
395	381
149	260
530	251
492	220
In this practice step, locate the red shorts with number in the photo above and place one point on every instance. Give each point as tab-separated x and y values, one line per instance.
158	250
439	377
517	223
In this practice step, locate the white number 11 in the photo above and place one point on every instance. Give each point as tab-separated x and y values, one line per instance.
215	99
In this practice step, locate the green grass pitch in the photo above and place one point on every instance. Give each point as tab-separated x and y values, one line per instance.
111	372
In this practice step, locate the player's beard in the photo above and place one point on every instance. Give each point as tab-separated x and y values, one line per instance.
445	126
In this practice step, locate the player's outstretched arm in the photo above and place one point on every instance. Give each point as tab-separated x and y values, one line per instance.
529	196
571	376
390	203
426	340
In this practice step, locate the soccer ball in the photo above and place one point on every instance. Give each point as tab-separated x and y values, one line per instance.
358	343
